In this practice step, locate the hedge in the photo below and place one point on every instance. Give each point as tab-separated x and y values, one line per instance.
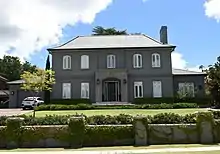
70	101
102	107
170	100
122	119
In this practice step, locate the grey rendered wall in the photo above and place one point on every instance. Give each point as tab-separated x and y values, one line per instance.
18	95
198	81
124	60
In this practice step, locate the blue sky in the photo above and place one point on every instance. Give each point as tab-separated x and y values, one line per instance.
195	34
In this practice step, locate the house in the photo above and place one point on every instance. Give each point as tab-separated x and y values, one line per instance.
117	69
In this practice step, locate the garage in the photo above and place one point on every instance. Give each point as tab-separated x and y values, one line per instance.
16	94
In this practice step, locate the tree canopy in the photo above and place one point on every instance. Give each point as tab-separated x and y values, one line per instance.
213	81
12	68
99	30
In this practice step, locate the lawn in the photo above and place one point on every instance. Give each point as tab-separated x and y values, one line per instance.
116	112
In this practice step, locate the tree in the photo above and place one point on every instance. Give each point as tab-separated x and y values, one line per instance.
47	92
99	30
38	81
201	67
213	82
12	68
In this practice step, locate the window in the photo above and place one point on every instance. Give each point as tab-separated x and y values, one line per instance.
66	62
186	89
84	62
137	60
157	89
66	90
111	61
138	89
84	90
155	60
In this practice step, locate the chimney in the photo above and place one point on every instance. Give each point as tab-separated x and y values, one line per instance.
163	35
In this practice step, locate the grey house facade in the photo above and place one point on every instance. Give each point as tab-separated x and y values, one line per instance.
119	69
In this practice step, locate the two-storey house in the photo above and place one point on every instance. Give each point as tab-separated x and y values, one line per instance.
119	68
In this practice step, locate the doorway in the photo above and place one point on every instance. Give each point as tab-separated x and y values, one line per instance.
111	91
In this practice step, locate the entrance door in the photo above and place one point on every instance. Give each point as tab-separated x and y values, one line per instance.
111	91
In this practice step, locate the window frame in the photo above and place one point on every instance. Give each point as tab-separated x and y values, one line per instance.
185	87
84	59
69	85
111	61
140	87
85	91
137	63
67	62
156	60
161	91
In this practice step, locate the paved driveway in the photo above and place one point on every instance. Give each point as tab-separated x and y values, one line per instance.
11	112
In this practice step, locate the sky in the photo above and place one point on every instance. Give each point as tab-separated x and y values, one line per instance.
29	27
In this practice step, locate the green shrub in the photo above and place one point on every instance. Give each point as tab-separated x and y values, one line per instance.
70	101
97	107
184	105
108	135
167	100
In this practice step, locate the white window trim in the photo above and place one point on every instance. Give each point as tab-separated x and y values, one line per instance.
185	86
84	61
138	84
136	63
83	90
157	62
63	90
111	61
154	83
66	62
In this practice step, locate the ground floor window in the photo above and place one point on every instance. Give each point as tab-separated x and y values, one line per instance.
157	89
186	89
66	91
85	90
138	89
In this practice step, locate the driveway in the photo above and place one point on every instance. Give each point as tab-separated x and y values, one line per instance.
13	112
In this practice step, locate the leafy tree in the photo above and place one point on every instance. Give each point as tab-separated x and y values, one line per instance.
38	81
47	92
12	68
213	82
99	30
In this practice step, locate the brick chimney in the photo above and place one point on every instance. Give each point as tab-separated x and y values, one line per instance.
163	35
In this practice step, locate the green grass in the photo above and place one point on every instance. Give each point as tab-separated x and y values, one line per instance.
117	112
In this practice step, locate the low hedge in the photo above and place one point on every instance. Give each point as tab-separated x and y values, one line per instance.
102	107
204	101
162	118
70	101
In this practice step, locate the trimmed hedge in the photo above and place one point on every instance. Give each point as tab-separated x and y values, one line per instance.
162	118
205	101
102	107
70	101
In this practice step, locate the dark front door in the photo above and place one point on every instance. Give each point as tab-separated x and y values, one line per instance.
111	91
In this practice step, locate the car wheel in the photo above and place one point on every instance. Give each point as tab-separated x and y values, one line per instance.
23	108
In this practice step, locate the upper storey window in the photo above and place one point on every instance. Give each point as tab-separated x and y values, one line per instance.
84	62
111	60
155	60
66	62
137	61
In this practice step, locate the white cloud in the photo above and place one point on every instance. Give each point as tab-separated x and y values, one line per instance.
179	62
28	25
212	9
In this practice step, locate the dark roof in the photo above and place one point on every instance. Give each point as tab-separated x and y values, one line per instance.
3	78
111	41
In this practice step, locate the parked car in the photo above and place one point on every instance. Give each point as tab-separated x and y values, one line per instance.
31	102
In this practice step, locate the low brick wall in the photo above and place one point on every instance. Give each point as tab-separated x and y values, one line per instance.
77	134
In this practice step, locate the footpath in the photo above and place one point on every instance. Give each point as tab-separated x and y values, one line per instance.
139	151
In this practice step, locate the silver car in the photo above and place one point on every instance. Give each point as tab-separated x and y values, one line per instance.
31	102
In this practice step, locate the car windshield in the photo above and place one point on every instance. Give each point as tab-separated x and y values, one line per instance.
29	99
